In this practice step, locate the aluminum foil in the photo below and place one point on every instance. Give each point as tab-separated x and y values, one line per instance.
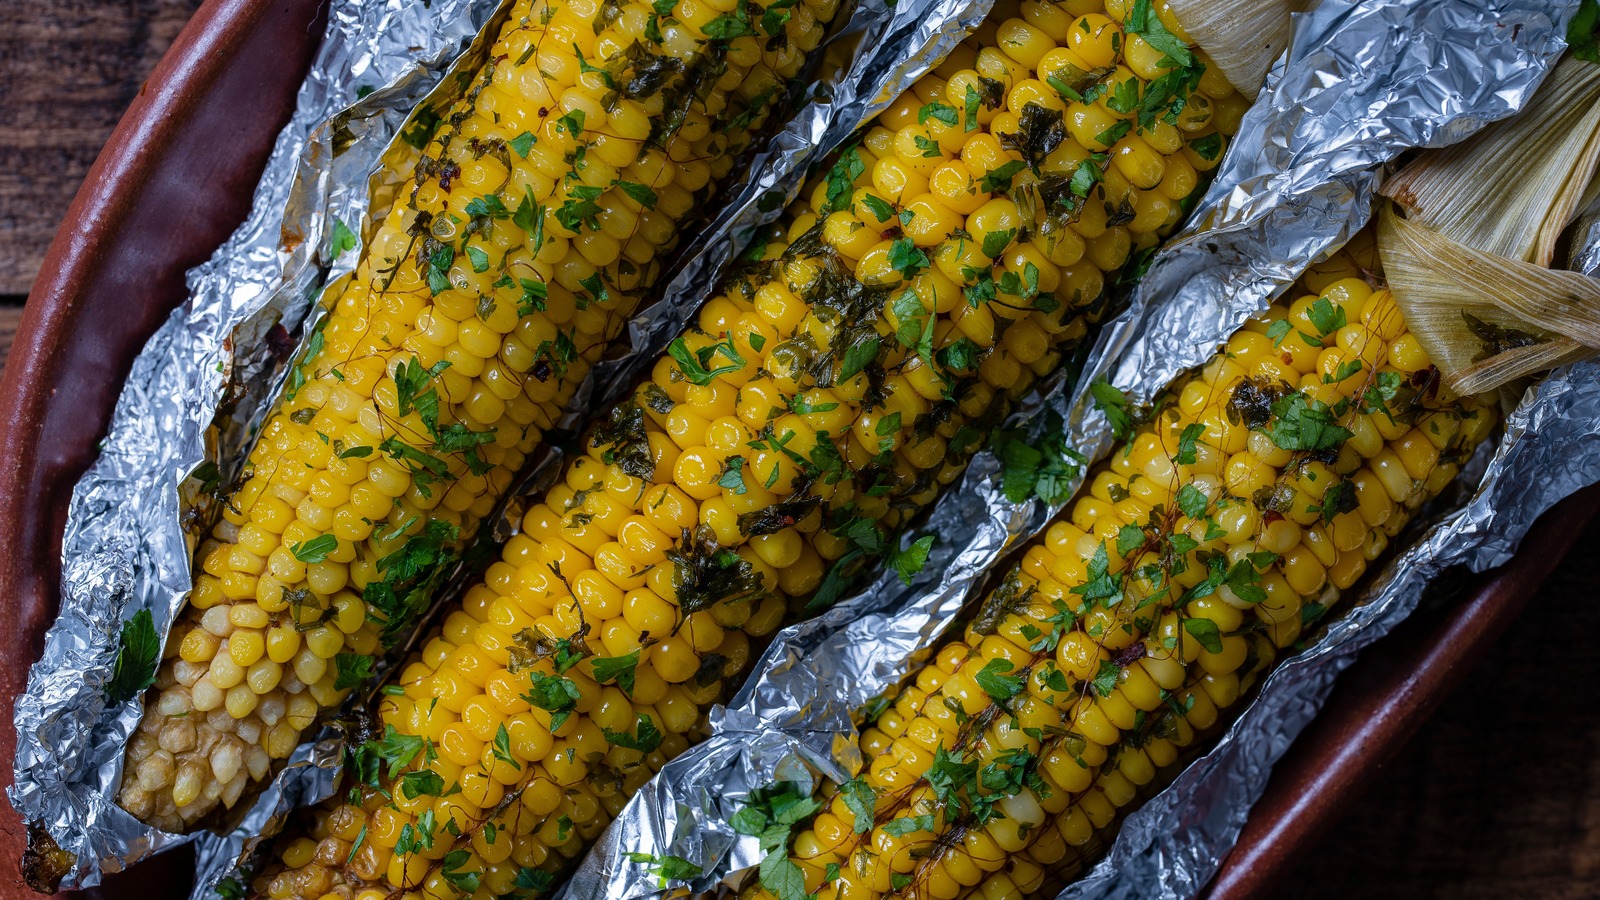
124	548
1360	83
201	387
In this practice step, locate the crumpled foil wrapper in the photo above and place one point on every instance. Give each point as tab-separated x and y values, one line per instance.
199	391
125	548
1362	82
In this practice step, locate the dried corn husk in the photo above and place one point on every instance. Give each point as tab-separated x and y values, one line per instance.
1243	38
1486	319
1468	265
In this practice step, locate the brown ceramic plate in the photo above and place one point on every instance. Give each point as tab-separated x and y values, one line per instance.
177	177
174	180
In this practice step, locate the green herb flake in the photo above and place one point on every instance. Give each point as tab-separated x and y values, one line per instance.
138	653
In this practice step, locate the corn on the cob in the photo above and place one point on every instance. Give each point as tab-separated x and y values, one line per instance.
1070	841
930	276
1260	490
535	220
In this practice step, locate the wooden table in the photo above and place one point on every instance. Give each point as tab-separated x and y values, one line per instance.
1498	796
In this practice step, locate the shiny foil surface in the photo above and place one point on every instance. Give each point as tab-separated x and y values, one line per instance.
124	548
1361	83
200	389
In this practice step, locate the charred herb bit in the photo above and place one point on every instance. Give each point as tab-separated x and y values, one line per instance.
657	398
1066	195
1252	400
434	259
648	72
797	354
993	94
711	669
552	358
626	441
1039	132
705	574
777	516
1497	339
381	759
531	645
1274	499
1339	499
1079	85
835	295
679	97
1009	597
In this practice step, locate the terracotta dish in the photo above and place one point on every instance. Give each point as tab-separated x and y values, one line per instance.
177	177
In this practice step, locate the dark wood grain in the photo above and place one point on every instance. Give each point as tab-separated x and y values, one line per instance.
9	317
174	178
68	68
1497	796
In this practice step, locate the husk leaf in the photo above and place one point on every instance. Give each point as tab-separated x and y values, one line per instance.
1511	189
1242	37
1486	319
1468	262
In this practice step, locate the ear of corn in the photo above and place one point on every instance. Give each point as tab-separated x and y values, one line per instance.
1070	841
923	283
536	219
1219	530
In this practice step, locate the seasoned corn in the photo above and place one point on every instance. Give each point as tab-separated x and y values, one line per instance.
923	283
535	220
1215	534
